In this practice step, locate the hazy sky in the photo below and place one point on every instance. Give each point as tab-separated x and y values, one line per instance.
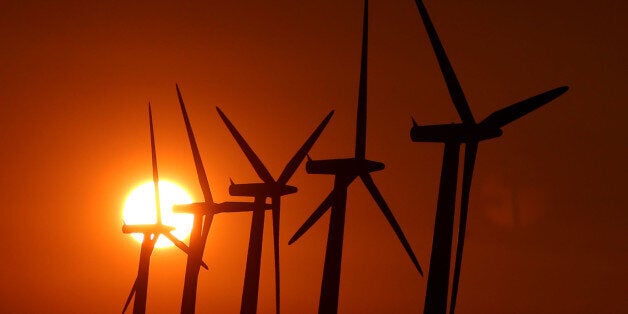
547	219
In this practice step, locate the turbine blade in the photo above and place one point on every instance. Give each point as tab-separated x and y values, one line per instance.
360	132
316	215
294	163
470	152
379	199
511	113
207	222
130	297
200	170
453	85
154	161
414	124
182	246
275	210
257	164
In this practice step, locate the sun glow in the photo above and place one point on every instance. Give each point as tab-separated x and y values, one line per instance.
139	208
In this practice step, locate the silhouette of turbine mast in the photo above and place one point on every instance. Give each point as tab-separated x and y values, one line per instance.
151	233
469	133
345	171
274	189
203	215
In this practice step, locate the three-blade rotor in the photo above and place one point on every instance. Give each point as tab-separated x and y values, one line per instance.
359	159
152	233
496	120
275	186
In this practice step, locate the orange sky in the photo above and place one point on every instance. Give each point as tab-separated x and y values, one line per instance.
76	77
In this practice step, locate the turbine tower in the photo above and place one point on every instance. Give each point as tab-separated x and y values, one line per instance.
273	189
151	233
345	171
469	133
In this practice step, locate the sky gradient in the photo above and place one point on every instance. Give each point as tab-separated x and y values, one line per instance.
547	218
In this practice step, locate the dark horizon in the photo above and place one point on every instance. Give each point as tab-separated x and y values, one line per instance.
547	213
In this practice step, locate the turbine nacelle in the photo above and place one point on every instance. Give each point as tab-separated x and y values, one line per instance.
261	189
147	228
455	132
347	166
204	208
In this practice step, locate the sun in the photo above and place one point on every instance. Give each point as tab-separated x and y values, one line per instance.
139	208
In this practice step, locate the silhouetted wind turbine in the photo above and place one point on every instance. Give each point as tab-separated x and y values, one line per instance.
453	135
151	234
203	215
345	171
200	227
274	189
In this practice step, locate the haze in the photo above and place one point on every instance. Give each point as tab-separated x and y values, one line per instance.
547	218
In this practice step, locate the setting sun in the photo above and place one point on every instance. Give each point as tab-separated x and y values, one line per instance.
139	208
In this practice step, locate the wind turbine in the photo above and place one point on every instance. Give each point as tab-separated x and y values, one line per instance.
151	233
345	171
469	133
274	189
203	215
